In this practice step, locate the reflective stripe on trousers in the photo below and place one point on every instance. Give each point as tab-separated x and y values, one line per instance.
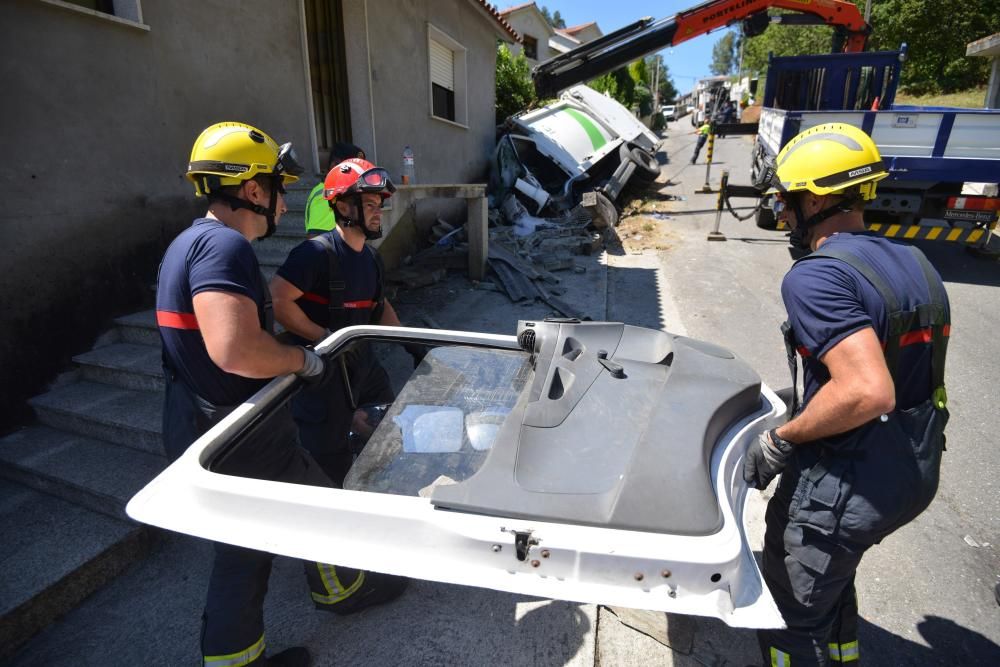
780	658
335	590
238	659
844	652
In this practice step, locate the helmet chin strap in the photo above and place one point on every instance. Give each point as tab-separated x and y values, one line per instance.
800	235
348	221
269	213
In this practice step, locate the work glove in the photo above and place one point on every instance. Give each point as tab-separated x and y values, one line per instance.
765	459
316	370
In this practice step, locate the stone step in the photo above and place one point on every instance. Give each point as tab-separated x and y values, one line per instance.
297	194
98	475
54	555
125	365
122	416
139	328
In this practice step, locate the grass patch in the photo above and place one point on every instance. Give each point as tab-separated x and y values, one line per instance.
966	99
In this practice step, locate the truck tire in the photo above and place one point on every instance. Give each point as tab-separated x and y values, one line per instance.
647	169
603	212
764	217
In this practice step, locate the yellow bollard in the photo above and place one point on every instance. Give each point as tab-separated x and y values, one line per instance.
708	162
715	234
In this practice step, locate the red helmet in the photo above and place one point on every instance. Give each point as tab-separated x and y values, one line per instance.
357	176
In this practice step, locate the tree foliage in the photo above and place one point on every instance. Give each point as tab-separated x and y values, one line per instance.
619	84
724	54
554	19
515	90
632	86
936	34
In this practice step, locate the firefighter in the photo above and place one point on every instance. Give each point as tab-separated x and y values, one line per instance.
319	215
333	281
869	319
703	131
213	311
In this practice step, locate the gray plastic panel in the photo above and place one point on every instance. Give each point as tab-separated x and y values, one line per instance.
628	452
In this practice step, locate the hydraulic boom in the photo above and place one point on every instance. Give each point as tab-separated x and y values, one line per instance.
646	35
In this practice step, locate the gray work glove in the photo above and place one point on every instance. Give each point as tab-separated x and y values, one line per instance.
313	368
765	459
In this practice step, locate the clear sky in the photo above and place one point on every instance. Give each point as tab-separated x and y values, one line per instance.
687	62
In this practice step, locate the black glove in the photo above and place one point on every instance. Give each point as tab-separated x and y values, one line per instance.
765	459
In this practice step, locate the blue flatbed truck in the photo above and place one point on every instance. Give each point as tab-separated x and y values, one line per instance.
939	158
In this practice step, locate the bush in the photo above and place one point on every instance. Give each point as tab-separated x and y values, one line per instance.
515	90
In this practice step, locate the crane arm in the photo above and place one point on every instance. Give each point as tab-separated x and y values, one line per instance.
646	36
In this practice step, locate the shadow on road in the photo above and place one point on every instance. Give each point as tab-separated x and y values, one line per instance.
950	644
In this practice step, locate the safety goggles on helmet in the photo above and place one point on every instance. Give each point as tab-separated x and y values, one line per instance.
374	180
287	162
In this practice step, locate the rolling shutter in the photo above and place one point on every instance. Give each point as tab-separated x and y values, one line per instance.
442	66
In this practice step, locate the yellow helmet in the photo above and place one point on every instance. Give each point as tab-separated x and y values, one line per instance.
231	153
828	159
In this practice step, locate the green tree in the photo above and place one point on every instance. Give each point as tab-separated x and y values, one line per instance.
515	90
668	91
555	20
619	84
936	34
724	54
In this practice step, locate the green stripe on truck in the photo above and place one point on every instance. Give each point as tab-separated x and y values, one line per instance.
596	138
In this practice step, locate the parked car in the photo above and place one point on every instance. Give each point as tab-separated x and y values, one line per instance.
669	112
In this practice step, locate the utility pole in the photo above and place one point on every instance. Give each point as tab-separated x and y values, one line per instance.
656	85
868	11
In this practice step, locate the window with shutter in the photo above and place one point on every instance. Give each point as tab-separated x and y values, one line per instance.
447	65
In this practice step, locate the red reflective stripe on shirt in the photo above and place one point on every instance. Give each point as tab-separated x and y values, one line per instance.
911	338
920	336
315	298
359	304
165	318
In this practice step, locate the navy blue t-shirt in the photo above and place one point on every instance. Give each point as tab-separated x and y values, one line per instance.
206	257
827	300
308	268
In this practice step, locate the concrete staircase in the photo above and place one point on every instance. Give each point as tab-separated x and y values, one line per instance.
65	480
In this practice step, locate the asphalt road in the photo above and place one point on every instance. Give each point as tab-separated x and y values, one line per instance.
926	594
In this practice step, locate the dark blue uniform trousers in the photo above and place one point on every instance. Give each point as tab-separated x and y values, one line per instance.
233	622
837	498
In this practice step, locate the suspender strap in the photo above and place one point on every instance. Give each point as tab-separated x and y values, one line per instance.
338	316
899	322
937	319
336	285
789	335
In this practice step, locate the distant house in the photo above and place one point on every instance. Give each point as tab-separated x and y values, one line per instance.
535	31
101	107
583	33
539	40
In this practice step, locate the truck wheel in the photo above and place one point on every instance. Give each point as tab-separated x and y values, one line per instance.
764	217
647	169
603	212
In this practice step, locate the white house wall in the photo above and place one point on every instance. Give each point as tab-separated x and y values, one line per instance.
395	110
98	119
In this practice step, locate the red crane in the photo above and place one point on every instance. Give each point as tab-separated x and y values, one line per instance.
646	35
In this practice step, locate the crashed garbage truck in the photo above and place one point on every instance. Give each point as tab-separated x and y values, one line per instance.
584	141
585	461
